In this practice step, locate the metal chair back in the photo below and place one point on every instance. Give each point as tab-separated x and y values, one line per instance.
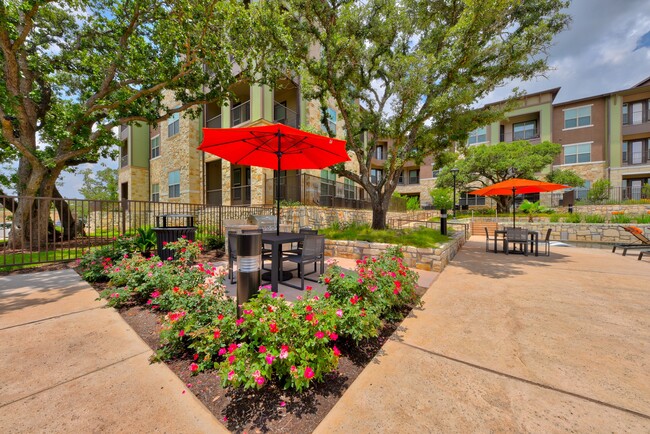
313	247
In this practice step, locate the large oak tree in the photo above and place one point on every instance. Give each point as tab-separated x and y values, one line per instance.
73	70
411	70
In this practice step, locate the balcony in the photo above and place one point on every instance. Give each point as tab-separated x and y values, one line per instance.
240	113
124	160
284	115
214	122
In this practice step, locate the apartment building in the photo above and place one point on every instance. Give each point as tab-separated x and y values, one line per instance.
605	136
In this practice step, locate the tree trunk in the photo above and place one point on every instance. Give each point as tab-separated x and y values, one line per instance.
503	204
380	210
68	222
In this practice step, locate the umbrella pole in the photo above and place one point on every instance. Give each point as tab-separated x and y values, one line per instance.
277	191
513	208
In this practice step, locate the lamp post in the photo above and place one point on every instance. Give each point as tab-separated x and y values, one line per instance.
454	171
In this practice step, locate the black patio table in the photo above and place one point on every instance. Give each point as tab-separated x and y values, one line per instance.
276	241
534	239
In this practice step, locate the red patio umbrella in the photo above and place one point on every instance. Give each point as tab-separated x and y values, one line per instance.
517	186
278	147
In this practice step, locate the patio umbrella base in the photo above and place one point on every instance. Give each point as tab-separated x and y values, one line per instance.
286	275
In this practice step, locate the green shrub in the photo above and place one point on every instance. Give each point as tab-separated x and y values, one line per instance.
599	191
573	218
145	240
442	197
554	218
594	218
643	218
621	219
214	242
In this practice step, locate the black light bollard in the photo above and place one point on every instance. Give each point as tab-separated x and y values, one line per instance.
443	221
249	264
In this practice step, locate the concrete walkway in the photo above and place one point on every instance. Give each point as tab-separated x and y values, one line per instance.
514	344
69	365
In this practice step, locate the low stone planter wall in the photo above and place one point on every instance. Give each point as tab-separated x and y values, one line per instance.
584	232
421	258
607	210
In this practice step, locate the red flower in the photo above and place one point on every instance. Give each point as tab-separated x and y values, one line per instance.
309	373
309	308
219	317
354	299
327	280
319	335
231	359
217	334
194	367
308	288
309	317
262	349
164	243
327	295
273	327
336	351
232	348
196	357
333	336
181	333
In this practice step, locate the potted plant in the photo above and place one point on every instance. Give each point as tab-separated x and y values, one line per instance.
145	241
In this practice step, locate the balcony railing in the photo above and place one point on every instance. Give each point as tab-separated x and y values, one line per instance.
284	115
614	195
240	113
124	160
313	190
214	122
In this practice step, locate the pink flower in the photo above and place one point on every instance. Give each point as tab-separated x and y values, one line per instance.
319	335
342	275
309	373
194	367
339	313
231	375
183	236
217	334
293	368
333	336
181	333
270	358
240	321
336	351
284	351
115	295
231	359
309	317
262	349
248	311
395	291
222	351
282	403
327	295
259	380
232	348
373	288
299	297
360	280
257	374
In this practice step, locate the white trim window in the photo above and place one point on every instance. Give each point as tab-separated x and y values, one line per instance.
577	117
155	146
477	136
155	192
525	130
578	153
376	175
175	184
173	124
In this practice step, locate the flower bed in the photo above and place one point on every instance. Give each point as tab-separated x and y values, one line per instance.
290	344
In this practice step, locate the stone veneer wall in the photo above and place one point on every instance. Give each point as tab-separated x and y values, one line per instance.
318	217
607	210
584	232
421	258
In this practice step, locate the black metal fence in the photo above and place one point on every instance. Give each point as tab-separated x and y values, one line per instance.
314	190
610	196
62	229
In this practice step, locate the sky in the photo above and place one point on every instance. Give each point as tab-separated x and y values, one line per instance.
606	48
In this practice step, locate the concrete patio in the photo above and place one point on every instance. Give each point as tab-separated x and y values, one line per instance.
514	344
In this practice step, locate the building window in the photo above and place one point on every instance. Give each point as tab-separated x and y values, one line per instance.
479	135
331	121
175	184
581	192
348	186
155	147
525	130
380	152
414	176
173	124
400	179
577	117
155	193
626	118
580	153
636	151
376	175
636	113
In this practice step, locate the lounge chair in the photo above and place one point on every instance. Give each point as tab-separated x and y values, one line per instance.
638	234
643	252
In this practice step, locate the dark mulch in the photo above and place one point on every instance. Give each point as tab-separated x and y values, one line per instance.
270	409
263	410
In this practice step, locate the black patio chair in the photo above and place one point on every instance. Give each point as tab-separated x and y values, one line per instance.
313	252
297	247
547	242
489	239
516	236
636	233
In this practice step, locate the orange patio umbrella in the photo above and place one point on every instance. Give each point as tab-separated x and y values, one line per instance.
516	186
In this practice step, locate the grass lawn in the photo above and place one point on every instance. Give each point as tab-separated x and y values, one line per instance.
420	237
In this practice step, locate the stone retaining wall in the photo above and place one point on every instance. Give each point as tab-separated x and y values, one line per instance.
421	258
584	232
607	210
